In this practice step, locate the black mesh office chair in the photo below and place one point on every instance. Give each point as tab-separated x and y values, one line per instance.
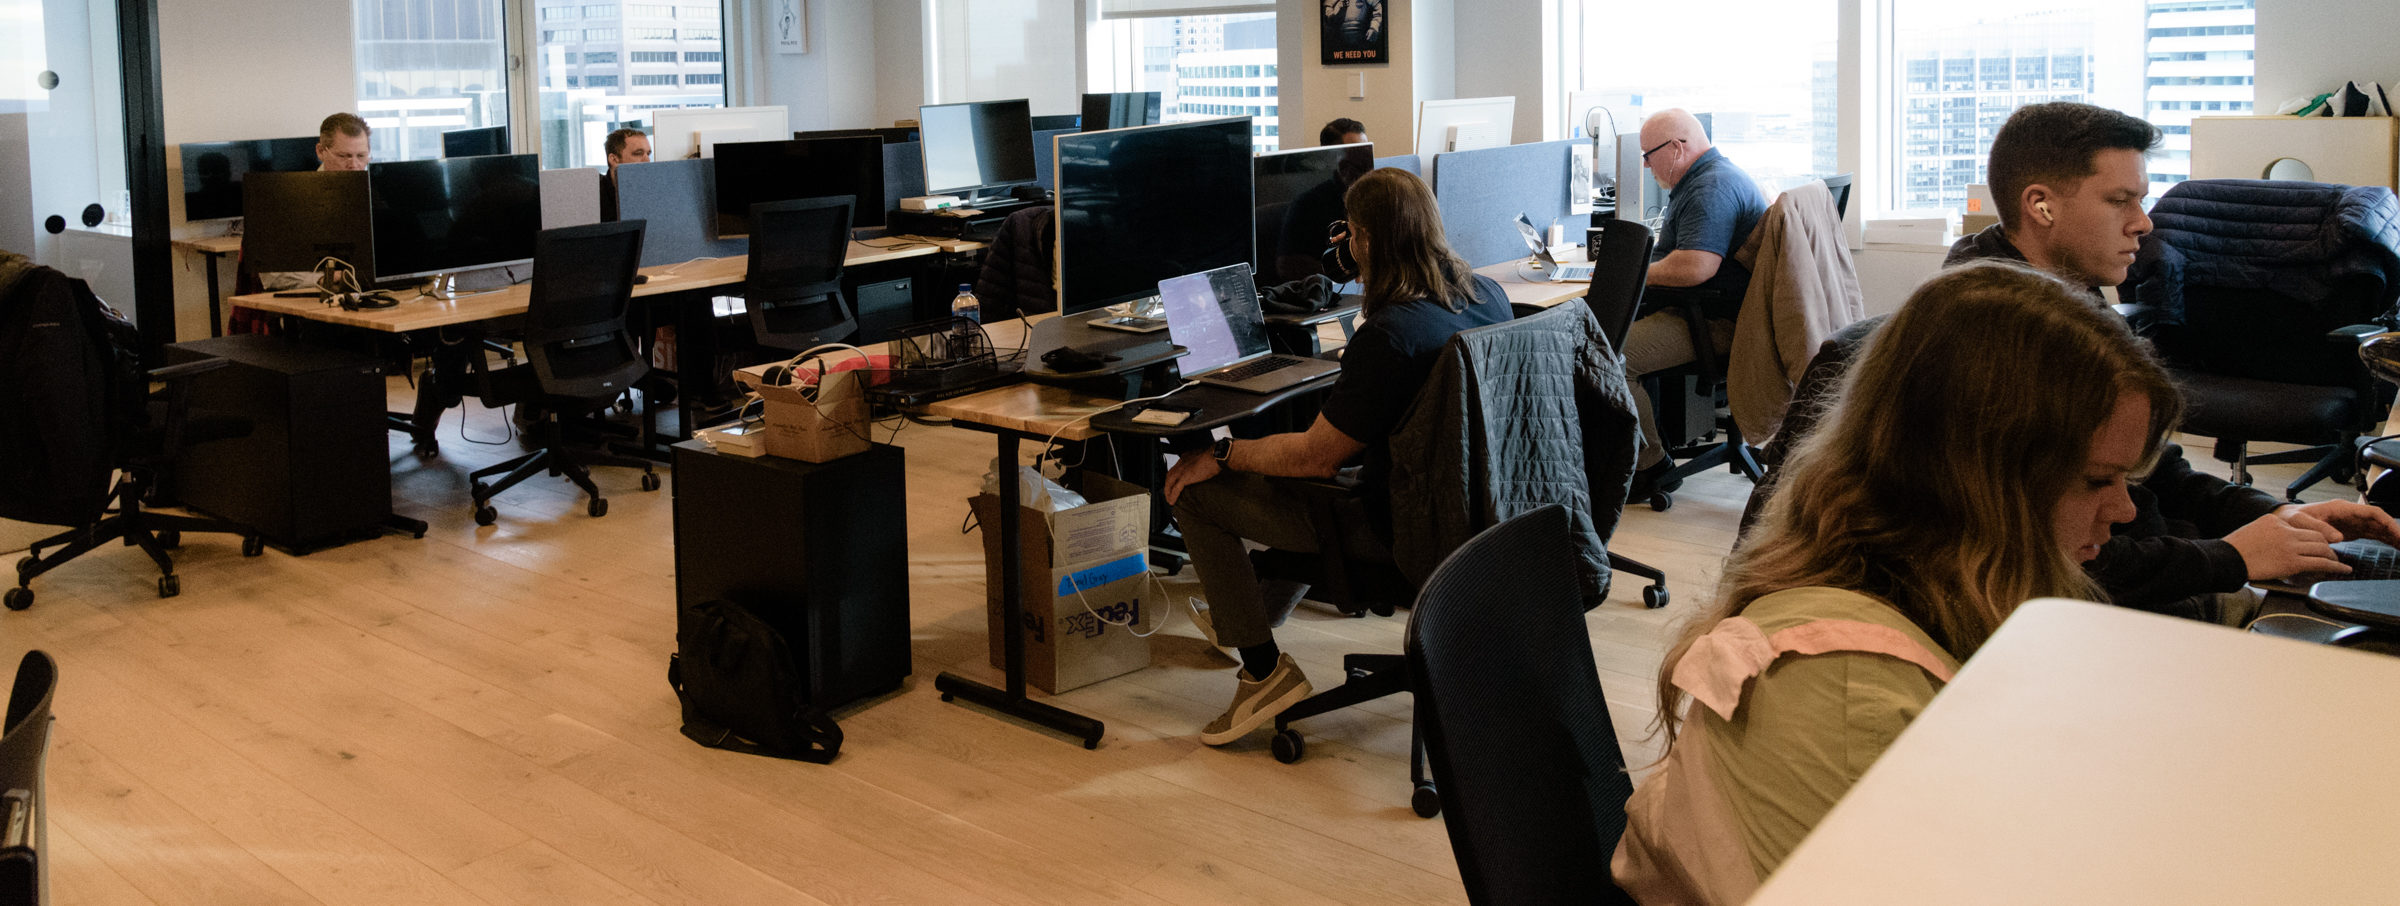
1620	272
1508	702
79	408
2258	300
1839	185
24	746
579	355
795	285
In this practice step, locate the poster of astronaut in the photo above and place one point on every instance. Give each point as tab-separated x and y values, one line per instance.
1355	31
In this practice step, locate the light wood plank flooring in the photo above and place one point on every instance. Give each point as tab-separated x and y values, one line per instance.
481	716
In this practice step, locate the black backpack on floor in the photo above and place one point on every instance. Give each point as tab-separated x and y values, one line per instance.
743	692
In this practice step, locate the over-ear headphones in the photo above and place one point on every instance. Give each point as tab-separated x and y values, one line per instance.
2044	207
1338	263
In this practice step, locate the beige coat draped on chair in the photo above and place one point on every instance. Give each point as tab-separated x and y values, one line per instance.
1803	287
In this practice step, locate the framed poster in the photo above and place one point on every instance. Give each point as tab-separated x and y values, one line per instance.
1355	31
791	26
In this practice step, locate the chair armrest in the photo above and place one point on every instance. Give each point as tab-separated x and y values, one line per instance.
188	369
2355	334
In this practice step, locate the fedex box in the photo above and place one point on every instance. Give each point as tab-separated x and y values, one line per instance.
1095	554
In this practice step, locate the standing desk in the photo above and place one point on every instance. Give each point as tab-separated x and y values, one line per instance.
210	249
2092	754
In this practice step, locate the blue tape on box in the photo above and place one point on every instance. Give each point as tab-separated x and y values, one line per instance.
1103	574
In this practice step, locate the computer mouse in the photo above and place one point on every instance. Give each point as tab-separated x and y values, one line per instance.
639	279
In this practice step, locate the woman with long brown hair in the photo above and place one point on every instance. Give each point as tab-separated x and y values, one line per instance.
1976	455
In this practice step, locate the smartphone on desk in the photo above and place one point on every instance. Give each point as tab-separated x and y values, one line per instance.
1166	415
1131	324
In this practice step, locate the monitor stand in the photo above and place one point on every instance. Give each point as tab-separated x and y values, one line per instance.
444	286
1135	354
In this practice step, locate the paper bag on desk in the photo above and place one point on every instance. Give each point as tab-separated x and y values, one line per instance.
816	424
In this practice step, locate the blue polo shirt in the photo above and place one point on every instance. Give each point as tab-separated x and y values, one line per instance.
1713	209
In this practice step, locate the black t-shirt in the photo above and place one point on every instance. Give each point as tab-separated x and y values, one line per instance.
1388	361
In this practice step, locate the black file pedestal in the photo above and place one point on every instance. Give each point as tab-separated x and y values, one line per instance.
817	550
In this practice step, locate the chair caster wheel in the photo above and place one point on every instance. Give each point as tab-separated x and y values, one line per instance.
170	539
253	546
1426	801
1090	744
25	566
169	586
1661	501
945	696
1287	746
19	598
650	481
624	405
1654	596
427	449
598	508
486	515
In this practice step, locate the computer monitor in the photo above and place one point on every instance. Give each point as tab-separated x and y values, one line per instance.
976	146
434	217
475	142
1634	186
1137	206
1464	124
1296	195
298	219
749	173
1064	122
891	135
688	132
213	171
1119	110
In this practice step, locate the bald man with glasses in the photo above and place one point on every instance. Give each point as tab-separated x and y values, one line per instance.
1711	208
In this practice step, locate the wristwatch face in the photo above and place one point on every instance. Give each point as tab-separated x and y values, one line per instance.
1223	448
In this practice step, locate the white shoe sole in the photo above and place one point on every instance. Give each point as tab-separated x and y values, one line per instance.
1260	716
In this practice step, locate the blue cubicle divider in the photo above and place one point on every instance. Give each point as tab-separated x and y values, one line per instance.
1400	162
903	172
678	199
1044	152
1482	192
570	197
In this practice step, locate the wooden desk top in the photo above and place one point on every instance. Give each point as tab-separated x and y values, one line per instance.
1027	408
211	245
421	313
2092	754
1510	275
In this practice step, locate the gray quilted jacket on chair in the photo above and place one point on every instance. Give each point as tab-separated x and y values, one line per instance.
2300	239
1516	415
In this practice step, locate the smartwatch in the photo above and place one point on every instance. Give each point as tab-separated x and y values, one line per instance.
1221	449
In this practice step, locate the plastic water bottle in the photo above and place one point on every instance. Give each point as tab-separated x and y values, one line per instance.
965	305
962	336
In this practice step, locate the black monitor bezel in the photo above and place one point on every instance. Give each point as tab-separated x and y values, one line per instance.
731	198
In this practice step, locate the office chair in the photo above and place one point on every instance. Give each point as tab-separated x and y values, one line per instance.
1538	357
2258	293
24	746
579	355
1508	701
795	283
88	412
1620	271
1839	185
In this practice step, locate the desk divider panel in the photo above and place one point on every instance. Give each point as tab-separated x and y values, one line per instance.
570	197
678	198
903	172
1481	193
1044	150
1401	162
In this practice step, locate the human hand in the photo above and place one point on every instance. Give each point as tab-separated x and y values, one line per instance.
2347	519
2272	548
1195	467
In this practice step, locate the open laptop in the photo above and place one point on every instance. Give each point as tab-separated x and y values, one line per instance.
1559	273
1215	315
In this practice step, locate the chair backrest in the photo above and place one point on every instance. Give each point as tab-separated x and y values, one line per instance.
24	746
795	286
1518	736
575	334
1840	187
1620	270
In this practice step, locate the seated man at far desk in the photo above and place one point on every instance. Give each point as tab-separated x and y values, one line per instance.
1419	293
1712	206
624	146
342	144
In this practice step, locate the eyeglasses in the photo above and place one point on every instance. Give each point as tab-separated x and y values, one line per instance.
1646	154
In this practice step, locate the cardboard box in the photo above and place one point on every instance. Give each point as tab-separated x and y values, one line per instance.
1101	548
829	427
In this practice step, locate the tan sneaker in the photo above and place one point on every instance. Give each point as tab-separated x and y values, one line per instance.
1256	702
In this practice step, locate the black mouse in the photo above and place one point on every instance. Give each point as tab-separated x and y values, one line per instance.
639	279
1066	359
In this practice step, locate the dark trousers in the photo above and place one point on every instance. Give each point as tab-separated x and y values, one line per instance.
1217	515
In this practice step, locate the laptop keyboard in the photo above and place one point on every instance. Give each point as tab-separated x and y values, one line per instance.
1253	368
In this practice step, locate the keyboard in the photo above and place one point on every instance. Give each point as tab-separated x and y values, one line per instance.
2367	560
1253	368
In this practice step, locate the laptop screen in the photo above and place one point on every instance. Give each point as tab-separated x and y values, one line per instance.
1214	314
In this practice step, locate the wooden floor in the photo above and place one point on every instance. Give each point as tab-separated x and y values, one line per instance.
482	716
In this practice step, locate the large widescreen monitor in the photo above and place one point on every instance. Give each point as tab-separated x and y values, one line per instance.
1119	110
1298	194
475	142
1136	206
1464	124
977	146
749	173
439	216
213	171
299	219
680	133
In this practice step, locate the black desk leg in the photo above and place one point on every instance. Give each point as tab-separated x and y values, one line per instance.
1012	621
216	314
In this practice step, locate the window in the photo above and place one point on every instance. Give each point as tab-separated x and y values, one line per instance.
1756	80
649	11
575	120
652	56
607	11
650	34
640	80
595	57
600	81
1188	59
426	67
553	13
704	79
699	34
599	34
704	56
699	13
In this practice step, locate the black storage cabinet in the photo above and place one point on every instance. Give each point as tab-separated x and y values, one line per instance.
817	550
316	468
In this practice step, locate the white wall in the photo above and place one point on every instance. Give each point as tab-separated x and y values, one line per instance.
2308	47
1011	49
899	60
832	86
1313	94
1501	40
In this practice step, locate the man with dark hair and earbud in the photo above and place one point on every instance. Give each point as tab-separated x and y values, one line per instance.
624	146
